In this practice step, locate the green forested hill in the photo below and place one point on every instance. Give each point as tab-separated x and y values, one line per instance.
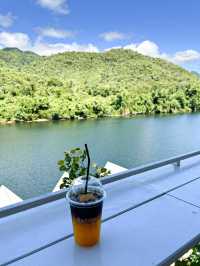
80	85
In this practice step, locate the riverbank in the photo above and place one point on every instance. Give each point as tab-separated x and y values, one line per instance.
11	122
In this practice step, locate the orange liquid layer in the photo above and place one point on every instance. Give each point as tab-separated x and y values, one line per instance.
87	233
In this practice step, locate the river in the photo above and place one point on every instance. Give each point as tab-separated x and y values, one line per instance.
29	151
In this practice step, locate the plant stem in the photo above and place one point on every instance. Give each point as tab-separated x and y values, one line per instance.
88	168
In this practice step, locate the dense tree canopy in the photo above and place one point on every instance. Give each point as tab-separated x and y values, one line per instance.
80	85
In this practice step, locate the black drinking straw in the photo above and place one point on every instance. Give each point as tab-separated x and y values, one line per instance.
88	168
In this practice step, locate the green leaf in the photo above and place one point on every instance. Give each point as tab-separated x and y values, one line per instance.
61	162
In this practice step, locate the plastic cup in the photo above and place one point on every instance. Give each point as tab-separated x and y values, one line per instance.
86	212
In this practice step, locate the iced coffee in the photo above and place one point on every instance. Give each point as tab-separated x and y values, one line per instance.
86	211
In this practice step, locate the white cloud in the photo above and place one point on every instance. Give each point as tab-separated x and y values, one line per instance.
113	36
151	49
55	33
58	6
7	20
23	42
186	56
47	49
147	47
18	40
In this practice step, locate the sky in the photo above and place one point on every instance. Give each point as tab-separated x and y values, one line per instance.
168	29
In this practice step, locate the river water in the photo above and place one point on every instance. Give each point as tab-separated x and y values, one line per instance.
29	151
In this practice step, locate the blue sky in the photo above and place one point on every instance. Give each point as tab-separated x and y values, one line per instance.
168	29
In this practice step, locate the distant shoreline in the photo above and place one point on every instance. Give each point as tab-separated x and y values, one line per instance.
42	120
11	122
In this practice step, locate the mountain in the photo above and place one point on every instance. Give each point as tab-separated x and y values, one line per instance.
80	85
15	57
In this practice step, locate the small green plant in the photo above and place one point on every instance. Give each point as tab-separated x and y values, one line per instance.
192	260
74	165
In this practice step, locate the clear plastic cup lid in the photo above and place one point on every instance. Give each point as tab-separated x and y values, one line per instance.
78	188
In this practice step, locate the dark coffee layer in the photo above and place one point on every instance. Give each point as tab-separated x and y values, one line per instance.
88	212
